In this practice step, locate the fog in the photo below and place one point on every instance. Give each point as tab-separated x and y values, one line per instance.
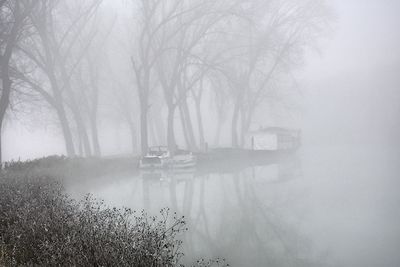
329	71
349	86
353	88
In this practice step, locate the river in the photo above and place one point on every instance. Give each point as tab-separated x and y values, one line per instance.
322	206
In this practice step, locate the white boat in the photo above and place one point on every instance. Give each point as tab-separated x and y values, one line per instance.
160	157
183	160
157	157
150	162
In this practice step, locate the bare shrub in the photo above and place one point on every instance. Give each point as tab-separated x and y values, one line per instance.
40	225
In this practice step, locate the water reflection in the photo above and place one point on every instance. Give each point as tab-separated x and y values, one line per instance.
245	213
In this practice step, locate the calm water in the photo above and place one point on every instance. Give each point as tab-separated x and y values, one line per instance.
321	207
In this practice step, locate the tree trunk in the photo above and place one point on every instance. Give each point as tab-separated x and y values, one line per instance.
243	125
153	132
246	122
132	129
170	130
200	123
217	133
160	126
62	116
189	125
77	115
5	68
4	101
80	145
82	132
185	132
235	118
58	104
74	106
143	127
95	135
93	110
69	144
1	162
220	121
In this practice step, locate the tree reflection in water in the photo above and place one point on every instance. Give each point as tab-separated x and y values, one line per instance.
242	214
252	214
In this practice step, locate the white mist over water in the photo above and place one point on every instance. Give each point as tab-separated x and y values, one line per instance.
328	206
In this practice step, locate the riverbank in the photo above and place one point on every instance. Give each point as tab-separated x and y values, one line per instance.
41	225
215	160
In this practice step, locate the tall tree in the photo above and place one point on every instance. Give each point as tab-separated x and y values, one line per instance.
56	51
143	60
271	38
13	21
180	39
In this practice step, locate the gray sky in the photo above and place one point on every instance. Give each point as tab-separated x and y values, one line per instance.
352	90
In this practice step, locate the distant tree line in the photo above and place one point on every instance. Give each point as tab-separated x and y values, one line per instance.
181	59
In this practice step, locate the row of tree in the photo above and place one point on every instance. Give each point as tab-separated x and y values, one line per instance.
155	67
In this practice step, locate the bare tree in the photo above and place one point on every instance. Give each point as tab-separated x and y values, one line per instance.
143	61
270	39
56	52
90	77
125	110
182	52
180	39
14	20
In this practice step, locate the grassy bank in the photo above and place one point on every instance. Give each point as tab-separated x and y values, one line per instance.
41	225
63	167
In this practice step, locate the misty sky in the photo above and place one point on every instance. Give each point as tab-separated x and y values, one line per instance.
351	88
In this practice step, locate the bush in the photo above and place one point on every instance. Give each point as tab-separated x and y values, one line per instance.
40	225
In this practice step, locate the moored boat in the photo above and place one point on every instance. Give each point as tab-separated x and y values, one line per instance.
183	160
157	157
160	157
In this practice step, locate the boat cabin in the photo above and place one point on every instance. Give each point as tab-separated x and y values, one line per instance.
273	138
